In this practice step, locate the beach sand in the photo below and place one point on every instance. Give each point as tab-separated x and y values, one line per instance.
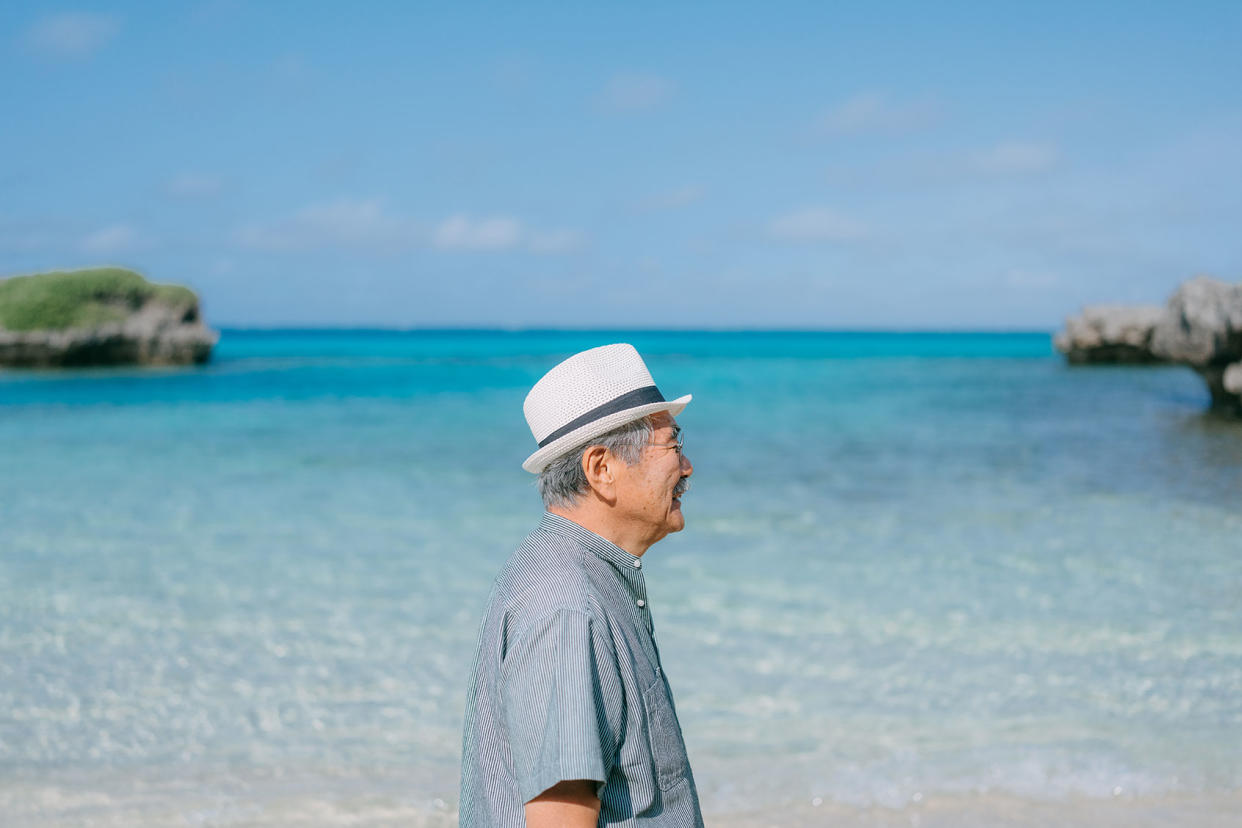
367	801
1202	811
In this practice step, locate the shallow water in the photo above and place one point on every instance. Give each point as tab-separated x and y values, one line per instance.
917	568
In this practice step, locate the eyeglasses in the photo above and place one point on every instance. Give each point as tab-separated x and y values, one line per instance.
678	443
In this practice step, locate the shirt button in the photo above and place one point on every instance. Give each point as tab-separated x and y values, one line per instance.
641	603
638	564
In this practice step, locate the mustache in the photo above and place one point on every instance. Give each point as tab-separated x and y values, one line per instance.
682	487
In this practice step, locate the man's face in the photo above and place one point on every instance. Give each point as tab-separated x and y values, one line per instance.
645	490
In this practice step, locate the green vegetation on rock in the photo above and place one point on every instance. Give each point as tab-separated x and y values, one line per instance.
82	298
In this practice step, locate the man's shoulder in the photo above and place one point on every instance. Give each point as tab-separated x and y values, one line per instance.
546	573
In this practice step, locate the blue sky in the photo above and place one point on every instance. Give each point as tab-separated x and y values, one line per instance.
818	165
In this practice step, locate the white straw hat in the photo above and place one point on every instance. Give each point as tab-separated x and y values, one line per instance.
587	395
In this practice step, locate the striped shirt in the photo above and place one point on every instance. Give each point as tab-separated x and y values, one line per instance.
567	684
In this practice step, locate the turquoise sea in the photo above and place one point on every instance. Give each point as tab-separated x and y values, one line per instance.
918	569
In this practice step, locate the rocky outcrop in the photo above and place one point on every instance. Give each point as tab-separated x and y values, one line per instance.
1200	326
153	336
1111	334
111	320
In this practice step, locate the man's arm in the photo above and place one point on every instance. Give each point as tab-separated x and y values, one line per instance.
562	700
569	804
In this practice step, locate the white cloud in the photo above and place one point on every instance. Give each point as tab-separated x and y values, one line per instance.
460	232
1016	157
193	185
112	239
71	34
368	224
673	199
816	224
635	93
554	241
344	223
872	112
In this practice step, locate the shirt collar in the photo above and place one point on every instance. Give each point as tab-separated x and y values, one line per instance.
630	566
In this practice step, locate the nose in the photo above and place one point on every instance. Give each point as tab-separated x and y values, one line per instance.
687	468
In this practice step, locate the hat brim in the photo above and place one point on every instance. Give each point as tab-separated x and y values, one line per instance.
539	461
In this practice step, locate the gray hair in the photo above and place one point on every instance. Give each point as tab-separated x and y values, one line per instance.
564	481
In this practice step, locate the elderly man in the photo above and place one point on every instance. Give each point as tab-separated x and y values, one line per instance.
570	719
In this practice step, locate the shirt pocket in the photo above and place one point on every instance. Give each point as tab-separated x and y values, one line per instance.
668	749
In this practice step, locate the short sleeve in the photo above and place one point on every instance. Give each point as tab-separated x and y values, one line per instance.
562	696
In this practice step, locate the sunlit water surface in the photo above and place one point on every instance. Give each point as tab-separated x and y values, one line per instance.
916	566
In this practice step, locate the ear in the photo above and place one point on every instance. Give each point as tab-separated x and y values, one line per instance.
600	465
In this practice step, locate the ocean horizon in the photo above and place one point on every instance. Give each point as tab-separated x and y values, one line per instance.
933	576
